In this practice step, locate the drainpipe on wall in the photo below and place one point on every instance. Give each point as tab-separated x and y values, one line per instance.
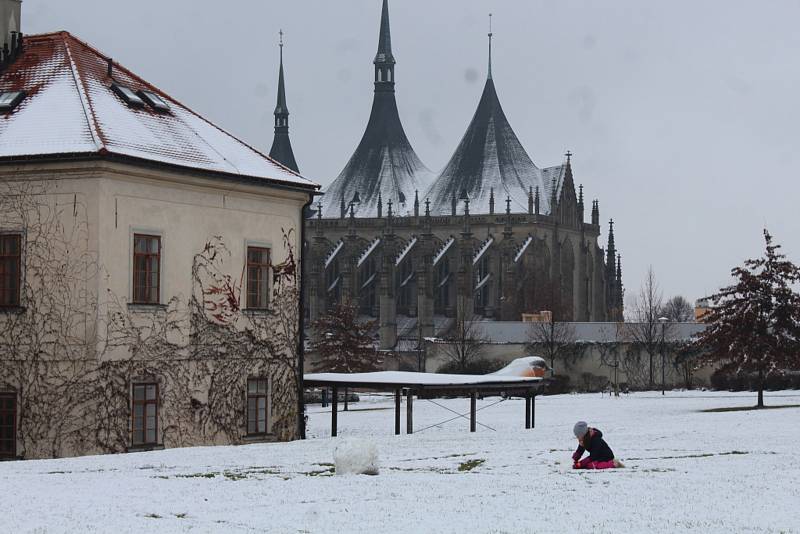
301	348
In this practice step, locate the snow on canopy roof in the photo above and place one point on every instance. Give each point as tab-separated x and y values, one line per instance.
71	110
408	378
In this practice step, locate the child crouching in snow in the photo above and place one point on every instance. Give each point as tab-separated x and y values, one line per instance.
600	454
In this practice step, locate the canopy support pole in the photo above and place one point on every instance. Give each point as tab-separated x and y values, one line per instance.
527	410
334	410
409	411
533	411
397	395
473	402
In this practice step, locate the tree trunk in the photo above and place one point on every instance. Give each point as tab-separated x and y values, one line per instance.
760	387
687	369
345	399
650	355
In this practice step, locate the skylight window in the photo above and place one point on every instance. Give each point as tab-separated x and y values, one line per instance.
10	99
155	101
127	94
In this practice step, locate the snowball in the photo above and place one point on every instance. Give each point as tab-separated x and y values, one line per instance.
356	456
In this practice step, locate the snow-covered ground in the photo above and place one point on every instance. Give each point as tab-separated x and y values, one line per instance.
687	470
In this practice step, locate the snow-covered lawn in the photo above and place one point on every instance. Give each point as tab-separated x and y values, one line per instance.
687	470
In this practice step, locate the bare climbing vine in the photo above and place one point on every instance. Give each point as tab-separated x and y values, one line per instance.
72	356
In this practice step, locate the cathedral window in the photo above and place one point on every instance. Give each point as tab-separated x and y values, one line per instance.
367	276
442	287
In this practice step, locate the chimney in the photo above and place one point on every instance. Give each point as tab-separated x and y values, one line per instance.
10	13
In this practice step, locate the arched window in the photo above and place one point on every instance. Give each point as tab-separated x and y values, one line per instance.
380	75
388	75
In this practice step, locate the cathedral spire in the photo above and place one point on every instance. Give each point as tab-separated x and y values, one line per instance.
611	254
384	60
281	150
281	107
489	72
384	160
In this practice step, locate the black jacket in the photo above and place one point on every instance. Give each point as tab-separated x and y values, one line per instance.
599	451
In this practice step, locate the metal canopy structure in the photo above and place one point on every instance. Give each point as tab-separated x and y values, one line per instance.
430	384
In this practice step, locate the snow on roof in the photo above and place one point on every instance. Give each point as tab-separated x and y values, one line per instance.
482	250
384	166
70	109
519	332
490	158
523	248
483	282
334	252
372	246
444	250
521	366
406	250
408	378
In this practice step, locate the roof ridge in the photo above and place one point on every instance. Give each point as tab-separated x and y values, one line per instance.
179	103
80	85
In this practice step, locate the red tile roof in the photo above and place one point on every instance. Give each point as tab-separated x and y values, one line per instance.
70	110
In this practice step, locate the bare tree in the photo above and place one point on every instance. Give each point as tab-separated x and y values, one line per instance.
645	331
464	345
555	340
678	310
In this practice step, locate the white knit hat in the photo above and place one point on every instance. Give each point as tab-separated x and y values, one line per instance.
580	429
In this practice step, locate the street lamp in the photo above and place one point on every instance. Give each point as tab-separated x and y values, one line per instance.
663	321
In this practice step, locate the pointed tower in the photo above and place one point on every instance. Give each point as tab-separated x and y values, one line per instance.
611	273
620	288
281	150
384	162
10	14
488	157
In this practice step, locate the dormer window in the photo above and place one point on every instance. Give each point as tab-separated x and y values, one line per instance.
127	94
10	99
155	101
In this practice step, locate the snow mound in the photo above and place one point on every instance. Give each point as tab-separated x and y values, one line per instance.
356	456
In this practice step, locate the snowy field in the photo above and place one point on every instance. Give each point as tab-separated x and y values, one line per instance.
687	470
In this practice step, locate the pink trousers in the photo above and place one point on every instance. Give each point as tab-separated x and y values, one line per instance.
587	463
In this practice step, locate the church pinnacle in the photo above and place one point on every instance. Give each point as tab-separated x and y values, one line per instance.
384	60
281	150
489	71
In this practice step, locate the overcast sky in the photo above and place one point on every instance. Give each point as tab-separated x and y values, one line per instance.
683	116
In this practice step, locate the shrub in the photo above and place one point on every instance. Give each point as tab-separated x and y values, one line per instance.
592	383
726	379
556	385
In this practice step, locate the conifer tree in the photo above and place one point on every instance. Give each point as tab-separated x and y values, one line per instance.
754	324
343	343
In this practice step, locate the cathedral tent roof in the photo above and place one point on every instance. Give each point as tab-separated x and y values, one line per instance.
71	110
384	165
490	158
